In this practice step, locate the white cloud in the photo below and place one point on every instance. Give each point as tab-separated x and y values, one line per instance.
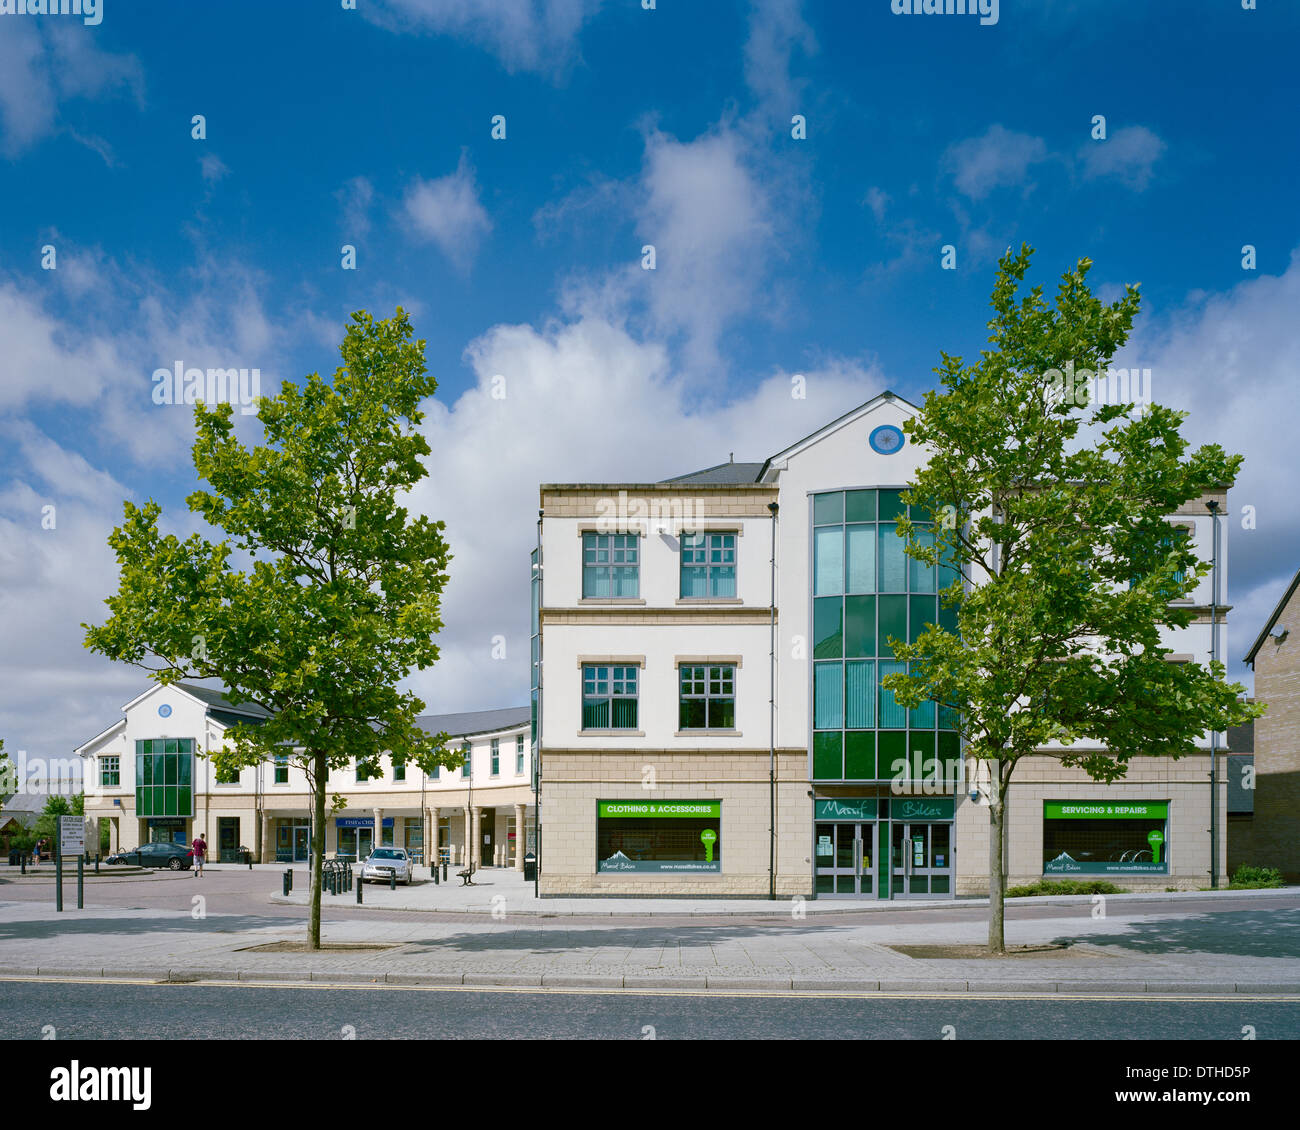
447	212
526	35
776	30
42	65
997	159
1129	154
212	168
355	198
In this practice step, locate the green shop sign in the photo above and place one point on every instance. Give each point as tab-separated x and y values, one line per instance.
849	808
930	808
1064	865
1099	810
662	809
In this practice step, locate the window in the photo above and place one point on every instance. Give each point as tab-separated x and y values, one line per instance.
609	698
1105	837
496	757
281	768
708	698
399	770
468	755
228	777
363	774
708	565
164	770
658	836
110	771
866	590
437	772
610	565
519	756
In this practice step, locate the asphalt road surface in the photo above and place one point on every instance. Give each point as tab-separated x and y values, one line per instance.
100	1011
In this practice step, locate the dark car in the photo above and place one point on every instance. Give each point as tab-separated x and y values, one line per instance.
175	857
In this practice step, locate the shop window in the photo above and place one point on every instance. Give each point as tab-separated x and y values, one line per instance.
658	836
1105	838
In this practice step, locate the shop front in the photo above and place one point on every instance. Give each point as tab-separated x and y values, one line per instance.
292	840
851	833
166	830
356	836
1105	838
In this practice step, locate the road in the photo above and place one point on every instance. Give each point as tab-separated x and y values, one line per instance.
99	1011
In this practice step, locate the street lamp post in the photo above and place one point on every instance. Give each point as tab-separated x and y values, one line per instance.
1214	655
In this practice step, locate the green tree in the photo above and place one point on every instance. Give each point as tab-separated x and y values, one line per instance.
47	824
340	598
1065	540
8	781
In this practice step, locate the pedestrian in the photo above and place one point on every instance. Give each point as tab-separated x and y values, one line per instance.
200	847
40	847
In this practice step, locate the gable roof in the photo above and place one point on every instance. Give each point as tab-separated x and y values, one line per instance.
885	397
1268	624
472	722
727	474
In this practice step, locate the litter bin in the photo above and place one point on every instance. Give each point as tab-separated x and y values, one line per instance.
15	858
530	868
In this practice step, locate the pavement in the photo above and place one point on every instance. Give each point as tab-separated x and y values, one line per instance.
1224	944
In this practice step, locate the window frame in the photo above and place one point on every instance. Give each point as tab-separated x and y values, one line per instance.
630	540
114	771
709	567
616	674
707	695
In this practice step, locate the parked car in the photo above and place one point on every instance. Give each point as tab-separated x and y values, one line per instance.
175	857
383	862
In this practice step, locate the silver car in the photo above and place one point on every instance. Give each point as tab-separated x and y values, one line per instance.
384	862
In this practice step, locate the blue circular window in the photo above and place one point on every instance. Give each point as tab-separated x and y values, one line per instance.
164	711
886	439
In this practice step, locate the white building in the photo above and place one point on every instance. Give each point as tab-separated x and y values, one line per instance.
149	775
711	715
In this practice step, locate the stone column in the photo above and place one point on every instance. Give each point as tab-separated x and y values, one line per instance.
521	835
268	848
476	839
379	830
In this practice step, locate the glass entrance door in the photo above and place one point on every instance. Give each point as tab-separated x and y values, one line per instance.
301	842
844	853
921	860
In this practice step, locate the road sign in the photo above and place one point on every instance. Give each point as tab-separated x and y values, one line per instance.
72	835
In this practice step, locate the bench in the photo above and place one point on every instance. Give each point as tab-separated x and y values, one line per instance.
467	876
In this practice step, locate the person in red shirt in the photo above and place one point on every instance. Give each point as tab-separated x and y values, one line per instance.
200	847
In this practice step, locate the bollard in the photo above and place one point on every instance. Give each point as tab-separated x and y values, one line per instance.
96	863
434	869
392	880
24	863
360	883
444	870
288	883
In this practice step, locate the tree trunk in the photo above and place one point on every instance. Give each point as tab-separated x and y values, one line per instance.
997	868
317	847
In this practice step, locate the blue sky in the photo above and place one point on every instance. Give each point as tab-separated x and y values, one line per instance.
521	257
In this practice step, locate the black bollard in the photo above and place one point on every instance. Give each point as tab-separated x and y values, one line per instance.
360	884
434	869
444	870
96	863
287	881
392	880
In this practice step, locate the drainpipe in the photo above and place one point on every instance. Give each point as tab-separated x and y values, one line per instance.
537	752
1214	655
771	721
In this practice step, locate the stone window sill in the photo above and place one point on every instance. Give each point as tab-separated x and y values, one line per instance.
611	733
